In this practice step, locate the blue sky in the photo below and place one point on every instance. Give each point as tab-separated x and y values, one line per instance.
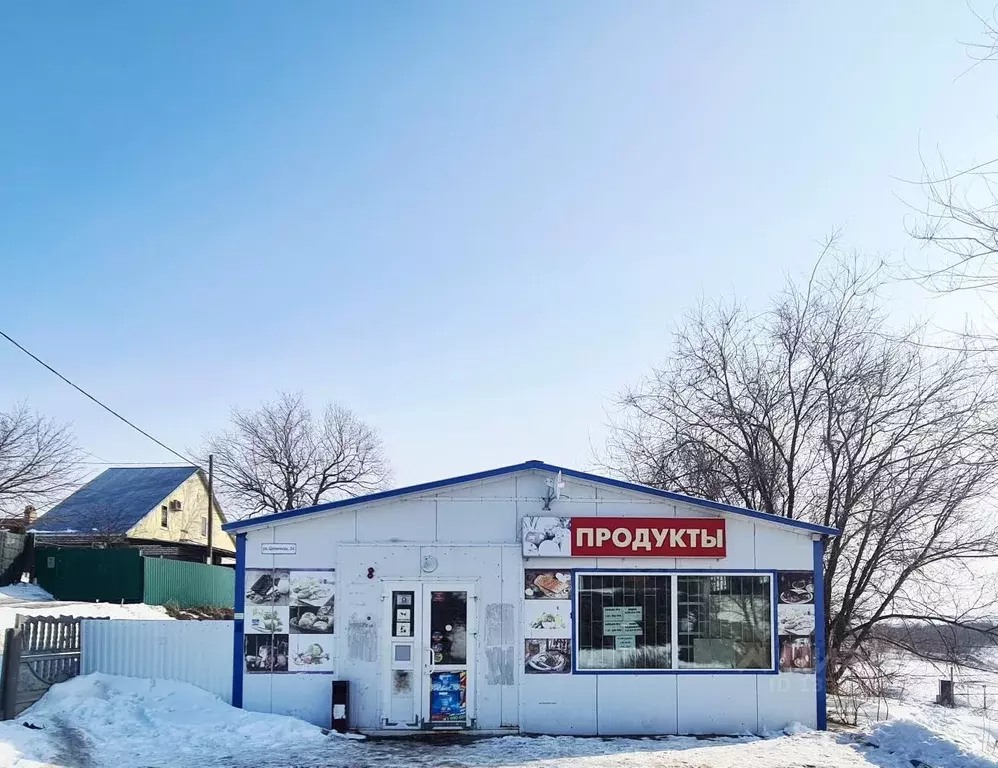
471	223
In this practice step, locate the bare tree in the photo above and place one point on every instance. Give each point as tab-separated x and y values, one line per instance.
281	457
814	410
959	219
38	460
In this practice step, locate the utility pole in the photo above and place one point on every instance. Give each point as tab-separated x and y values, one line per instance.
211	508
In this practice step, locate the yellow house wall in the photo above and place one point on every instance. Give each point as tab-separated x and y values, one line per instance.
184	525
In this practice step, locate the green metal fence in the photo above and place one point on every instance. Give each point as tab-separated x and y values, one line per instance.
116	575
108	575
187	584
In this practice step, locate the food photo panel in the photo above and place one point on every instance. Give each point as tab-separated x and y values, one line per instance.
547	536
266	653
796	587
796	653
314	588
308	620
266	619
541	584
311	654
795	619
548	618
544	656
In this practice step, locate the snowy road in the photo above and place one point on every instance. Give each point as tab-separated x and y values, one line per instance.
102	721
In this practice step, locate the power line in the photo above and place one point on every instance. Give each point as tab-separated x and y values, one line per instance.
110	410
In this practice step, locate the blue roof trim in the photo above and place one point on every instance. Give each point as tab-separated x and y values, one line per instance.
527	465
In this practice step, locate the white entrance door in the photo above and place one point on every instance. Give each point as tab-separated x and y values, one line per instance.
430	655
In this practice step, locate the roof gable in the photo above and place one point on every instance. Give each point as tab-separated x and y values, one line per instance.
542	466
114	501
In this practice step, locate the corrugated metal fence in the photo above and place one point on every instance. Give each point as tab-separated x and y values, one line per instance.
196	652
115	575
187	584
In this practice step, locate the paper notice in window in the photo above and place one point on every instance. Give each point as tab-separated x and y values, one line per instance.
625	642
622	620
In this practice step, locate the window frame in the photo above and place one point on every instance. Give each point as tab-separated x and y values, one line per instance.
577	573
164	516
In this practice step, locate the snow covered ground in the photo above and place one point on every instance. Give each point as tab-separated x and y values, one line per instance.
101	720
32	600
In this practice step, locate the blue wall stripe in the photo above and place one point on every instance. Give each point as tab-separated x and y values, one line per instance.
820	674
237	624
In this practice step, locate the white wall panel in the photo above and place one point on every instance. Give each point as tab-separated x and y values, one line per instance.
411	520
558	704
196	652
785	699
512	593
316	539
307	697
636	705
257	692
783	550
715	704
492	522
531	490
616	503
359	629
254	557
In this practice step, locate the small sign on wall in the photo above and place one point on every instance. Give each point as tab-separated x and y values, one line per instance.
278	549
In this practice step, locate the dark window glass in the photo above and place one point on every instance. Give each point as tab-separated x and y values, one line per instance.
624	621
725	622
449	627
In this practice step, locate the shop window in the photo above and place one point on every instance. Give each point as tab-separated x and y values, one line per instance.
724	622
624	621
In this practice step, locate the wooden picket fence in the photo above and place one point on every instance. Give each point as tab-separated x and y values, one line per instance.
39	652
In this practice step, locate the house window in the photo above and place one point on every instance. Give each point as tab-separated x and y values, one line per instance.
164	516
725	622
680	621
624	621
204	526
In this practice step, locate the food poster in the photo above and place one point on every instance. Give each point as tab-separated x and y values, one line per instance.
539	584
796	624
548	618
266	653
543	656
309	653
448	697
547	536
796	587
270	586
266	620
281	604
312	601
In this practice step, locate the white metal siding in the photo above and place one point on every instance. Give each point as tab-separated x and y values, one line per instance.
196	652
453	524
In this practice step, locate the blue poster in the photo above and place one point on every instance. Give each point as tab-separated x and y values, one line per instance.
448	691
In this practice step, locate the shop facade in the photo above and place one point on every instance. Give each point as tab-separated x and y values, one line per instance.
533	599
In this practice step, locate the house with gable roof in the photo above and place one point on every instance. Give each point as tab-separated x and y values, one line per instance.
161	510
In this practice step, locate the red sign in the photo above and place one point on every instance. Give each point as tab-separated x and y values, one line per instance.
648	537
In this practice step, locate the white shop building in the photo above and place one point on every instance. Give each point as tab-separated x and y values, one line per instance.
535	599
